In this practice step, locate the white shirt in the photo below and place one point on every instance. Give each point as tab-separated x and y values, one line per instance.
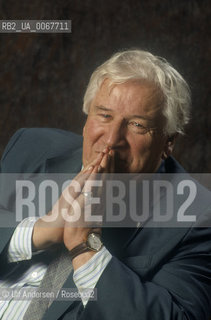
32	271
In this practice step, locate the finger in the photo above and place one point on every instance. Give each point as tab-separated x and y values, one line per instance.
84	178
104	162
108	162
75	187
78	182
82	213
112	161
95	162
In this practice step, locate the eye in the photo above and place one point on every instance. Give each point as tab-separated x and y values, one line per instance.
137	127
105	115
136	124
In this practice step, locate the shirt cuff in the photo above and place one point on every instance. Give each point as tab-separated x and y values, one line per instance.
20	246
86	276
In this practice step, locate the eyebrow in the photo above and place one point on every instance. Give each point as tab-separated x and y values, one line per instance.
103	108
141	117
100	107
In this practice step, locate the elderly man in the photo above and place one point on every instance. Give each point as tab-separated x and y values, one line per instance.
136	105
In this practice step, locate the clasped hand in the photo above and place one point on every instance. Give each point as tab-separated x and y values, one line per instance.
61	225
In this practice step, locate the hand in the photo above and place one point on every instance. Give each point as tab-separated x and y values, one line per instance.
73	234
76	233
49	229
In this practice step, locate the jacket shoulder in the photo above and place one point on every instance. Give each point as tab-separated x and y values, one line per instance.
33	145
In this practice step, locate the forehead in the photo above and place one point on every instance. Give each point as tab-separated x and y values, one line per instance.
131	96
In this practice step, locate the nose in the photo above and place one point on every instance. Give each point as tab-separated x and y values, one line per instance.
115	136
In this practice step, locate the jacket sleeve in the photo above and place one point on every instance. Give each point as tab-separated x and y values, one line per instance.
179	288
6	215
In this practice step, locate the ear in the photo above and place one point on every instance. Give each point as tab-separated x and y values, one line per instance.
169	146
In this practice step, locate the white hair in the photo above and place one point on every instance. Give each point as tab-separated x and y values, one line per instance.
141	65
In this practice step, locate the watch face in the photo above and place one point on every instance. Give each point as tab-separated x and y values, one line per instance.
94	241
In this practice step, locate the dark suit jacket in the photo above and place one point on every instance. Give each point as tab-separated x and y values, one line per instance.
161	273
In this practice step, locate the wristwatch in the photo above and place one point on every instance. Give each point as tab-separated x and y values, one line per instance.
93	243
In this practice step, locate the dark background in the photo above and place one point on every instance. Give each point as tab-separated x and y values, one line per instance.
43	76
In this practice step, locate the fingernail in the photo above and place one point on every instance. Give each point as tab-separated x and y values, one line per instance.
99	168
90	168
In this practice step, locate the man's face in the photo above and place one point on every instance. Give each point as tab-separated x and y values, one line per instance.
127	118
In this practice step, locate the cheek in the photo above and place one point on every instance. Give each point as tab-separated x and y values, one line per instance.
146	147
92	131
139	147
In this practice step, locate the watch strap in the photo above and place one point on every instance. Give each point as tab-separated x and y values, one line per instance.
81	248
